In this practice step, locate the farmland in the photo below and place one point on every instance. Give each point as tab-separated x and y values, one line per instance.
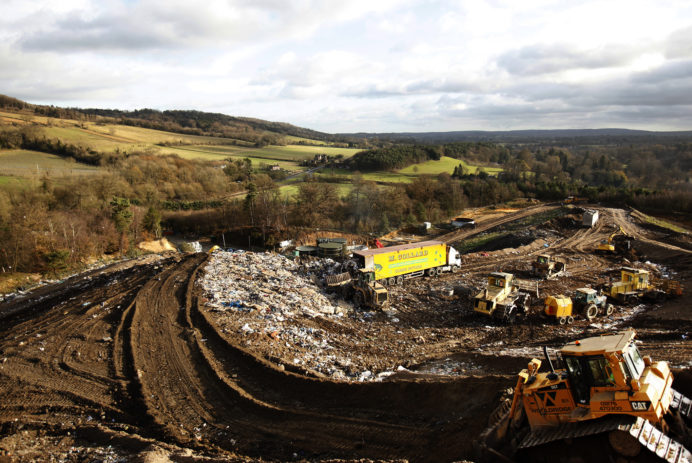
113	138
33	163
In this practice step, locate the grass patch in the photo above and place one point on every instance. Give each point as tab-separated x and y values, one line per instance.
478	241
663	224
28	163
445	164
11	282
536	219
9	180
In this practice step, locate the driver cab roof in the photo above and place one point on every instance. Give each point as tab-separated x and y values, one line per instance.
599	344
501	275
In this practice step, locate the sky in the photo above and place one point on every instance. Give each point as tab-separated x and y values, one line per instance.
361	65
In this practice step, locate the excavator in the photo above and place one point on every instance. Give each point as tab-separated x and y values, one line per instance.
606	402
619	242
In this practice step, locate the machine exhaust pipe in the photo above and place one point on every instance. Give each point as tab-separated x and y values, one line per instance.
552	375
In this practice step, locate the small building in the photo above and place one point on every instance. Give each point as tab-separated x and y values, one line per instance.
590	218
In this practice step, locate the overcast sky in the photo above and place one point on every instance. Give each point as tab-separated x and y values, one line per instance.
361	65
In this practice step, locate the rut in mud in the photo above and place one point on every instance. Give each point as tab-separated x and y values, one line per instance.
130	356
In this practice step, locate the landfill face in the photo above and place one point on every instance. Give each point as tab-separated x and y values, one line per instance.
242	356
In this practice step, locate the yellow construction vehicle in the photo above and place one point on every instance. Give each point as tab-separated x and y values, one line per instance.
619	242
502	298
546	267
364	289
605	402
586	301
635	283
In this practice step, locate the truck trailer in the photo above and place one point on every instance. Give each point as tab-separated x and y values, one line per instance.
393	264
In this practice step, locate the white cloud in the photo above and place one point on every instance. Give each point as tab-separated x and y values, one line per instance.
361	65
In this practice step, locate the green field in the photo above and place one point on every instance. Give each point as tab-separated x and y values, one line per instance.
445	164
342	189
25	163
6	180
408	174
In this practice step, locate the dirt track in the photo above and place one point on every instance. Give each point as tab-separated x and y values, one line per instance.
130	356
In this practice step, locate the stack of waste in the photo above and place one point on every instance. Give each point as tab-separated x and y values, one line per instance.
265	299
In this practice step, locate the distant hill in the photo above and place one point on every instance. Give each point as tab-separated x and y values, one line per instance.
190	122
558	136
262	132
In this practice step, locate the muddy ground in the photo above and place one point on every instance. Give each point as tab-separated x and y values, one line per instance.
131	363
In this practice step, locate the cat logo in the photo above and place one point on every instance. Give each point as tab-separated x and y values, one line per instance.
640	406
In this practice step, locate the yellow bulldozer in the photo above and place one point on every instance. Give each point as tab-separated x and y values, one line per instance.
546	267
637	283
606	402
503	298
363	289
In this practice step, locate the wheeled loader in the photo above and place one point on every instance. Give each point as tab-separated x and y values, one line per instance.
604	403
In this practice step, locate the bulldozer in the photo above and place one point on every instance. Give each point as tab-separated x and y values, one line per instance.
636	283
605	403
546	267
502	298
586	301
364	289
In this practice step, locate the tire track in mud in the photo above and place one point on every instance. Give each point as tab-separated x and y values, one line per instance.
213	392
57	348
492	223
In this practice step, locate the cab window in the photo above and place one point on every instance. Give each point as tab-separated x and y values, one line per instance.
633	360
600	372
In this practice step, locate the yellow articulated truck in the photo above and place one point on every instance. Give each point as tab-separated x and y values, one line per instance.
393	264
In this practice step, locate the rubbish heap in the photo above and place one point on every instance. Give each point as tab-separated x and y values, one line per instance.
264	282
266	298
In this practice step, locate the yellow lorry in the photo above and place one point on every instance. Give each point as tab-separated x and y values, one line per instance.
604	402
392	264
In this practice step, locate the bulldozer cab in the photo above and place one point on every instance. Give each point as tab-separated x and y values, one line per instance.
543	259
367	276
500	280
602	362
634	275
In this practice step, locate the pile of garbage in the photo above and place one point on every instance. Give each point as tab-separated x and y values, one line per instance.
264	282
267	299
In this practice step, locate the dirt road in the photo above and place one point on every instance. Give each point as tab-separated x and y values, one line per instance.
128	362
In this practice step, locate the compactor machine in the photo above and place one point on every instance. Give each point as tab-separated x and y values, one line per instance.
502	298
605	403
364	289
546	267
637	283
